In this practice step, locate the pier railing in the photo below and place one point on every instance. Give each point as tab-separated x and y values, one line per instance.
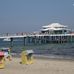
31	35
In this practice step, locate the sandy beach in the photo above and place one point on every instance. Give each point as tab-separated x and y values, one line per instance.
40	66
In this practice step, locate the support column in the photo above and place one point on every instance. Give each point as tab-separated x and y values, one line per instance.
24	41
11	42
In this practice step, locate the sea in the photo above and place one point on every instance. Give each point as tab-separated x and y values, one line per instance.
54	49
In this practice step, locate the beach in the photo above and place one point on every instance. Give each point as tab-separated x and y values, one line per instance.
40	66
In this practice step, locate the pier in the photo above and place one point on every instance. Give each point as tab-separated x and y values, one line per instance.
29	39
52	33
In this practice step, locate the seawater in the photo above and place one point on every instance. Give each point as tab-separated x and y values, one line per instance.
64	49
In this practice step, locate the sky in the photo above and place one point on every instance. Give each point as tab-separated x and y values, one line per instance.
30	15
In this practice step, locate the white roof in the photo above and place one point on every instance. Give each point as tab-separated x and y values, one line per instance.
54	25
29	51
44	29
51	29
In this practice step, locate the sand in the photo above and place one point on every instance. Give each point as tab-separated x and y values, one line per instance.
40	66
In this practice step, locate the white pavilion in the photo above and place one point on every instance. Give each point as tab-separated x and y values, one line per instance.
55	28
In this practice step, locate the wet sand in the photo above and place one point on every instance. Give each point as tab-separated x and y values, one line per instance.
40	66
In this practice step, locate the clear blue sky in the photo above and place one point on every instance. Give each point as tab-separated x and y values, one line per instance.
31	15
